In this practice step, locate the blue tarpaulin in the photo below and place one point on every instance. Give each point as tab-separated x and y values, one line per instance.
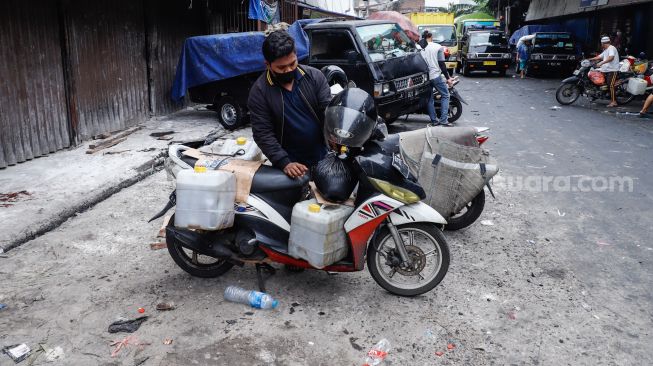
531	29
262	10
216	57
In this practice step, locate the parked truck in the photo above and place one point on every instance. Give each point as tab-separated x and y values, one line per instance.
373	55
475	20
431	18
466	23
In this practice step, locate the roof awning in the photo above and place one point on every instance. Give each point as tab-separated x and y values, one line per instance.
544	9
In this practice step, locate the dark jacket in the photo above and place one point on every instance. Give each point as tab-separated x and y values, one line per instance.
265	106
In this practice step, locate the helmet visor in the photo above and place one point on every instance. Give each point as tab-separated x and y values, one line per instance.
346	126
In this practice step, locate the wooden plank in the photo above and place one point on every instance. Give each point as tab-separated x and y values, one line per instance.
102	136
115	152
162	133
159	245
104	146
125	133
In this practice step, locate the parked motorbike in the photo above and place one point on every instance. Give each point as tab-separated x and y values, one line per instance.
455	102
468	137
455	105
390	227
472	211
591	83
337	77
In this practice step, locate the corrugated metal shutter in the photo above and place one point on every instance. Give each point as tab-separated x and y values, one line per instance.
108	73
169	24
230	16
289	11
32	98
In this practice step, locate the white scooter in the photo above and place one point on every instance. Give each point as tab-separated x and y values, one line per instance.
399	236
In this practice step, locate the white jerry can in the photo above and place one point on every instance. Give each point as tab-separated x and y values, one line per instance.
636	86
250	150
205	199
317	233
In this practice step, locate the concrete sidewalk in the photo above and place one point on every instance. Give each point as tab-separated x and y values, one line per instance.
59	186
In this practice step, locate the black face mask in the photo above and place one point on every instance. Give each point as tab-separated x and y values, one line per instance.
284	77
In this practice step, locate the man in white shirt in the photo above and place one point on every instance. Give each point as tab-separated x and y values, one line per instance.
434	56
609	66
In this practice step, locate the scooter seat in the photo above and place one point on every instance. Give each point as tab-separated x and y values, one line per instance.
465	136
270	179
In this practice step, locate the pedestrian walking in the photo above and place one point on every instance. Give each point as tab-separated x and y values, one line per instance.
434	56
523	55
647	104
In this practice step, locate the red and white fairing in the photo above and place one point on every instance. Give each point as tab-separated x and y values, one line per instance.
370	214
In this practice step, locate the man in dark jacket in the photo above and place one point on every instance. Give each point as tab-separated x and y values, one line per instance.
286	106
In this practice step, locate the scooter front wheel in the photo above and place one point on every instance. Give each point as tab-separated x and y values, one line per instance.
429	253
196	264
567	94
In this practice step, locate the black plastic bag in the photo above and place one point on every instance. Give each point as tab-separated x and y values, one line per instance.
334	178
127	326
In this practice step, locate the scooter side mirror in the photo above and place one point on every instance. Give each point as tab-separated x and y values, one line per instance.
380	131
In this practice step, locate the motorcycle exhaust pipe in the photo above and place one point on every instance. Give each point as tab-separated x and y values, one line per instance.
210	244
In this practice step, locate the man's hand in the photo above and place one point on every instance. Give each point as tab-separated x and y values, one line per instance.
450	82
295	170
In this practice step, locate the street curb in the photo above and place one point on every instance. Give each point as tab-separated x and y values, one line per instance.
143	171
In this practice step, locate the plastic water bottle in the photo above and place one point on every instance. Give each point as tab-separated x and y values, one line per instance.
255	299
378	353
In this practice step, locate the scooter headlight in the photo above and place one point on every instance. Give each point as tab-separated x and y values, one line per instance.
392	191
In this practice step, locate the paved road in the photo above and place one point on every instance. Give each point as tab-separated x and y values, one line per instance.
560	278
603	232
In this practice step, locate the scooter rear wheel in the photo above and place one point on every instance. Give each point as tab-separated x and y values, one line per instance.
468	214
623	97
427	248
196	264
